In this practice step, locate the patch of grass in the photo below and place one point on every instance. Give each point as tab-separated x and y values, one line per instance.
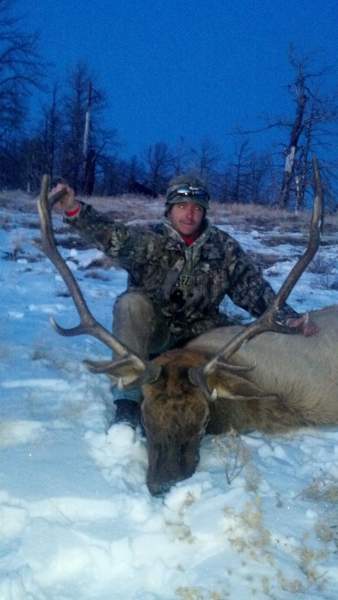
294	586
234	453
324	532
322	490
195	593
308	565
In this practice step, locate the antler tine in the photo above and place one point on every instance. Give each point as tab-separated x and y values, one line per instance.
88	324
268	322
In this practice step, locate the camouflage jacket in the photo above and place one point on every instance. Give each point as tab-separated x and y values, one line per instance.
185	283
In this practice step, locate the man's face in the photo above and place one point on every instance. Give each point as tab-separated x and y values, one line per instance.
186	217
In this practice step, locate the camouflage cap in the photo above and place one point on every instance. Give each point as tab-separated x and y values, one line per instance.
187	188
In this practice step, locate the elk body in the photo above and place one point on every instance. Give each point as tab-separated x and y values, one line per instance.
294	383
273	383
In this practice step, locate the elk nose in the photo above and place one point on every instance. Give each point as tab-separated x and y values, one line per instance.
159	488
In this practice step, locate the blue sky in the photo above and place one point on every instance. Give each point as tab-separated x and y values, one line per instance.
195	69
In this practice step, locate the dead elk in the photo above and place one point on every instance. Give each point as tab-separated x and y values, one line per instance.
195	390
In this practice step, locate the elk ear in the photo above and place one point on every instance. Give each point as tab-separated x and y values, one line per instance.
121	375
234	386
126	371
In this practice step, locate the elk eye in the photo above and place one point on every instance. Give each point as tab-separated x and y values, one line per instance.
193	376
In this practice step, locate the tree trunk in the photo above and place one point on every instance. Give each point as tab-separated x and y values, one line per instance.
289	167
89	154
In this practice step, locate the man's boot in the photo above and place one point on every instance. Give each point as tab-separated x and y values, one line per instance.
128	412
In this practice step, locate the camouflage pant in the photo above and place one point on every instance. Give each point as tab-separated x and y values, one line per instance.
135	325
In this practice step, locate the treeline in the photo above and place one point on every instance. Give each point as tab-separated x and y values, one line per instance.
71	136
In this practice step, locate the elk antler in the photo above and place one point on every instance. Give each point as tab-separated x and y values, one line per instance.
129	367
268	321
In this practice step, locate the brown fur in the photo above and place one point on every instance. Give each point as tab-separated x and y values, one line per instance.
294	383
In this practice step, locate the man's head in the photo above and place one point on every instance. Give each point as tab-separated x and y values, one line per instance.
187	201
187	188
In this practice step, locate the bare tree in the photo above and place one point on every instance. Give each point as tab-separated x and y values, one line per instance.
258	178
310	129
21	70
240	173
89	152
204	160
159	166
85	136
315	113
41	148
111	176
50	133
301	93
180	155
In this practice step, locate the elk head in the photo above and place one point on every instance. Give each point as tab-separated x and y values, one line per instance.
179	386
175	414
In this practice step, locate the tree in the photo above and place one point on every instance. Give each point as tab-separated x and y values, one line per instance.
52	132
180	157
310	129
21	70
86	139
40	150
300	92
136	177
159	164
49	135
205	159
240	173
258	179
314	113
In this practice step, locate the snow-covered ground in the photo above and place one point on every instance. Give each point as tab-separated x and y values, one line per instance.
259	519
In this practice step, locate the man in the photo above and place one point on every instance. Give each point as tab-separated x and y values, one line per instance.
179	271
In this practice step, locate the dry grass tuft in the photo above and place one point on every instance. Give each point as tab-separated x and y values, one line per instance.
322	490
194	593
236	457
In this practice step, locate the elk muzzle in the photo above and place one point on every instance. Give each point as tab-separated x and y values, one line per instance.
170	463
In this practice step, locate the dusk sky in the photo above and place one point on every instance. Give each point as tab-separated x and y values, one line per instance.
195	69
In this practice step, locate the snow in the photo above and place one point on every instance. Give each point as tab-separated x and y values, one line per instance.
258	519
